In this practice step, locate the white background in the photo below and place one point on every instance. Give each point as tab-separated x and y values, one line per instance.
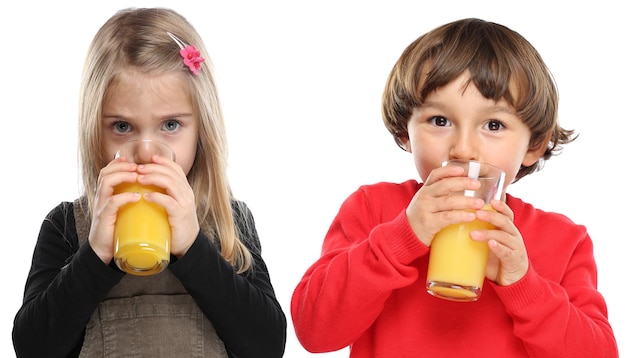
300	84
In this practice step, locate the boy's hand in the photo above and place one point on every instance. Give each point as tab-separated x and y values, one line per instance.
432	208
508	259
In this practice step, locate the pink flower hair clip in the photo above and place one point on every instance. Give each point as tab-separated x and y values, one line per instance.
191	56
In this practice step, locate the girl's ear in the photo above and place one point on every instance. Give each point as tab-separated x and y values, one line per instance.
535	153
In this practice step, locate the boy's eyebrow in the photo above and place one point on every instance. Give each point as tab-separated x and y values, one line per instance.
499	106
431	103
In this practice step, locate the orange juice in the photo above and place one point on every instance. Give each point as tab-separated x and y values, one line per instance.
456	268
142	234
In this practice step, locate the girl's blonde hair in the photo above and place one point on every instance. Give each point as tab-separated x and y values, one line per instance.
137	39
497	58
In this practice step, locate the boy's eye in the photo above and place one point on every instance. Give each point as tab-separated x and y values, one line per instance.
494	125
440	121
171	125
121	127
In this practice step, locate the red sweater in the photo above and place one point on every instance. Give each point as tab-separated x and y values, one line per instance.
367	290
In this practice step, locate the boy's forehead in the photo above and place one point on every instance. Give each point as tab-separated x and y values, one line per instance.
515	83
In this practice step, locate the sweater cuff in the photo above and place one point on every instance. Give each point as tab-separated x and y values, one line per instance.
92	263
198	254
399	238
520	294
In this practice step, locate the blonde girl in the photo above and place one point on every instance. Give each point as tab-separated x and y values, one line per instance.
147	76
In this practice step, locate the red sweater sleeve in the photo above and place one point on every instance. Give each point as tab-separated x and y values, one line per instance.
556	307
362	262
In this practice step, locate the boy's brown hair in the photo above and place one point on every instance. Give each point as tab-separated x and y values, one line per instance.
502	65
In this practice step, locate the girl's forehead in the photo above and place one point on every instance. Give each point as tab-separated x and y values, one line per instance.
149	78
173	83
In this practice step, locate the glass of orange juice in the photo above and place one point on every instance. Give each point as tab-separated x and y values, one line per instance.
456	267
142	230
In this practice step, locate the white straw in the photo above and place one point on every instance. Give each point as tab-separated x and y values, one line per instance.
472	172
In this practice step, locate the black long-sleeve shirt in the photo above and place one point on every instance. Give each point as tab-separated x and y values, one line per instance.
67	281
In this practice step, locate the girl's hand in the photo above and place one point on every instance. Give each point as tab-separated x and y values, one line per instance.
432	208
179	200
106	205
508	259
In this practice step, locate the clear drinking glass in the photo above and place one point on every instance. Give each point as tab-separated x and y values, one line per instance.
456	268
142	229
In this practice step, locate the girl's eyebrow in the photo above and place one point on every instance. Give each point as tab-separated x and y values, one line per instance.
107	116
112	116
177	115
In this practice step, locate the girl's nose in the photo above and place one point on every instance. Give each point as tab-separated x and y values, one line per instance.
144	151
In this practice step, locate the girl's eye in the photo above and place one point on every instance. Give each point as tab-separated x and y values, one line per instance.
122	127
494	125
171	125
439	121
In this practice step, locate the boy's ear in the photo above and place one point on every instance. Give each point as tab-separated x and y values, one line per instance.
402	138
406	143
535	153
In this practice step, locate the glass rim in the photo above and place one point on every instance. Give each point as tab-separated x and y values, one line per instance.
146	140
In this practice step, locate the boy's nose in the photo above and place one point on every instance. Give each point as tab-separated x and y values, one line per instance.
463	146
